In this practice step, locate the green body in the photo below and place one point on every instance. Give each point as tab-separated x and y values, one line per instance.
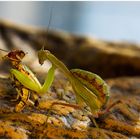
95	94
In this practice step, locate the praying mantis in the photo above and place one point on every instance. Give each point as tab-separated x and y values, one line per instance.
89	88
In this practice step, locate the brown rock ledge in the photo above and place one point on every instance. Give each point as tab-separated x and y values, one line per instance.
67	122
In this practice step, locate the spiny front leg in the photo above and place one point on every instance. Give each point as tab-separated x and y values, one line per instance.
49	79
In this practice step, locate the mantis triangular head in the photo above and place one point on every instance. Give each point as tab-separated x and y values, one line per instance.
41	55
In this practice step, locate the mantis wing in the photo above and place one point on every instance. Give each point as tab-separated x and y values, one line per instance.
25	80
86	95
93	82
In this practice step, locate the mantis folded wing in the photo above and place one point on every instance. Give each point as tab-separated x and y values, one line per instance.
49	79
93	82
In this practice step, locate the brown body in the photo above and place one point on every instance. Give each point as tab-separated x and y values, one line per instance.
16	57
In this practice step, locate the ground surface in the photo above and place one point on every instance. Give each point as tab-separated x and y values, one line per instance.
66	122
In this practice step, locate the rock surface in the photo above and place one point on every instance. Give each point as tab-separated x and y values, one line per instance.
67	122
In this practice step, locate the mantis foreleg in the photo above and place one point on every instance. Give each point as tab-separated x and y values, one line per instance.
31	84
49	79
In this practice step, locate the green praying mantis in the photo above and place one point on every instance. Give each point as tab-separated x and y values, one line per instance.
89	88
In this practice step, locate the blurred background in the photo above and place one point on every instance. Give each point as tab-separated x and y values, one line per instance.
104	20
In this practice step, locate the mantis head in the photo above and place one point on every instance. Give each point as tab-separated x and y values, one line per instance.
15	55
42	55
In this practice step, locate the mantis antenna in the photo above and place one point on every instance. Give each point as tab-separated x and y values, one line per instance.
50	18
4	50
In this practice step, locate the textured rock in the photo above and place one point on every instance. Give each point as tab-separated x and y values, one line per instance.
67	122
11	131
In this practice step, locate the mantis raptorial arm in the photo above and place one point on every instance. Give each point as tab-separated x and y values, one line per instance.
49	79
25	80
32	84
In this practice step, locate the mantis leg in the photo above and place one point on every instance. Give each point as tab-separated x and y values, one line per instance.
19	95
93	120
36	99
19	107
49	79
107	111
103	114
24	99
18	91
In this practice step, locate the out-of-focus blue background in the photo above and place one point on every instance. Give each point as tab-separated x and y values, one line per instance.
104	20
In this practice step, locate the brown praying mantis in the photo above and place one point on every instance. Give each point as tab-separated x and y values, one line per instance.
25	82
23	90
